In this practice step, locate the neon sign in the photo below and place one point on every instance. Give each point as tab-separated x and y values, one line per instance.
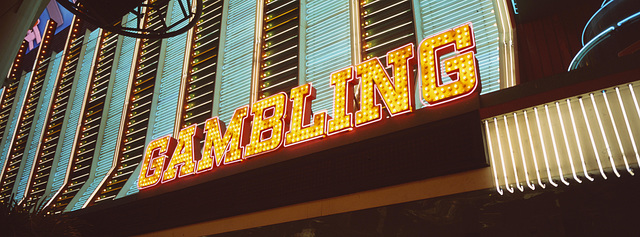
280	120
54	12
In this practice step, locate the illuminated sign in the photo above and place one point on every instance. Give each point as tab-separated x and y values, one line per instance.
280	120
55	12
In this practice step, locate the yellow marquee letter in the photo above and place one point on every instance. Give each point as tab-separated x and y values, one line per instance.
185	155
462	68
227	147
153	164
342	82
396	93
300	129
268	124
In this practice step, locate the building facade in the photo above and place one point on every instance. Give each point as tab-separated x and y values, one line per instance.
279	111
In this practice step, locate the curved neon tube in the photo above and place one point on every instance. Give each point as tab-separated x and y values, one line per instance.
555	148
575	133
493	163
593	144
566	144
513	161
635	102
504	170
544	150
615	130
604	136
524	163
533	150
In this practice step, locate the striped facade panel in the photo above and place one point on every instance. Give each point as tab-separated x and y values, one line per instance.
237	58
76	104
104	158
28	115
9	91
170	83
328	47
14	120
42	115
167	102
438	16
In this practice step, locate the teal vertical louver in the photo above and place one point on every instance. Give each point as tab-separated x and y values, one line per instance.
75	112
170	82
104	160
167	102
237	58
138	112
73	171
37	132
328	46
437	16
14	120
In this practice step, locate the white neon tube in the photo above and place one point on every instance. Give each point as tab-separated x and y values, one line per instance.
635	102
575	133
593	143
604	136
555	147
524	163
615	130
504	170
493	163
533	150
566	144
544	150
513	161
626	121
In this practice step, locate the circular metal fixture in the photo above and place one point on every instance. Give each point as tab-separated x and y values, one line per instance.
611	33
108	15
